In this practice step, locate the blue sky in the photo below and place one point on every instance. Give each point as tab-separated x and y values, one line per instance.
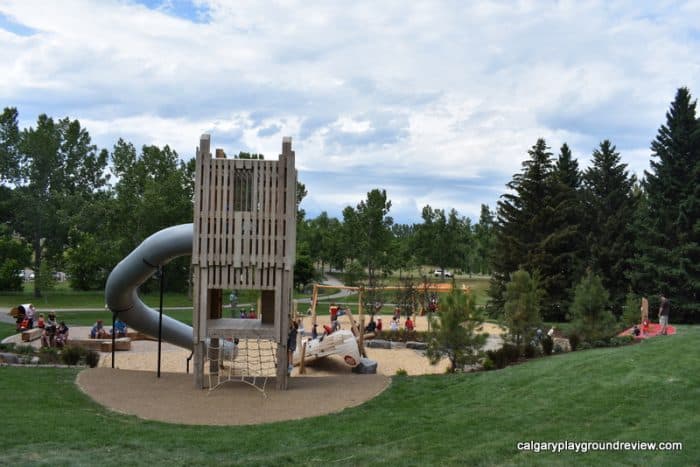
437	101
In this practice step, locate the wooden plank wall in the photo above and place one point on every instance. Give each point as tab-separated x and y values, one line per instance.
244	227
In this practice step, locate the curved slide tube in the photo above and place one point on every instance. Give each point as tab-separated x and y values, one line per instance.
121	291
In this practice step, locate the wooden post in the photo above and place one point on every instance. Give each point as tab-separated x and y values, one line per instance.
314	299
361	312
215	312
302	366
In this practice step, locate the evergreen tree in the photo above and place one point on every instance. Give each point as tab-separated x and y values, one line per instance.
590	314
529	232
610	210
568	245
483	241
522	307
454	333
669	248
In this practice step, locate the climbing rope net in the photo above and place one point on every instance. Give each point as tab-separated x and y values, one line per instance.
250	361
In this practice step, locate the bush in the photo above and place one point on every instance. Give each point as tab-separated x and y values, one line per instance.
530	351
71	355
547	345
591	317
488	364
512	353
574	340
92	359
48	355
584	346
621	340
24	349
631	314
498	357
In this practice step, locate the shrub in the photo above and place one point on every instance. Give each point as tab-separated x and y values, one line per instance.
631	314
498	357
621	340
48	355
584	346
522	306
512	353
24	349
590	316
488	364
401	372
7	347
92	358
530	351
574	340
547	345
71	355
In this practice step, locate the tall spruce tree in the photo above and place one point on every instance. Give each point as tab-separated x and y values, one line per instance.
610	210
569	247
668	258
524	225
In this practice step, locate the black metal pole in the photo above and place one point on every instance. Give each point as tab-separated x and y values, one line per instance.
114	319
161	273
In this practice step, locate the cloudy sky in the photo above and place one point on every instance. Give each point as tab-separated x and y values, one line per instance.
437	102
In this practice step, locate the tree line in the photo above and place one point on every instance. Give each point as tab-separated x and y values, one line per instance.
568	227
76	208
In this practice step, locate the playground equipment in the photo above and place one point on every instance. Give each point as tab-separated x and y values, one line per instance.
340	342
358	327
243	237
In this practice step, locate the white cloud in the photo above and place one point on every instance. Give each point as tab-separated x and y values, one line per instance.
382	93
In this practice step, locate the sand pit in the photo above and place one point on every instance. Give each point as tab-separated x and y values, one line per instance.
132	387
143	356
173	398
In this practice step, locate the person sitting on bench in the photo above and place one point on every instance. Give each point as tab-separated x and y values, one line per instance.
119	328
98	331
61	335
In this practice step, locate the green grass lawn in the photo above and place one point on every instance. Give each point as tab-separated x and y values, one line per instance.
645	392
62	296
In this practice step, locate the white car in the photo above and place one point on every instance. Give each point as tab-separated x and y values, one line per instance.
439	273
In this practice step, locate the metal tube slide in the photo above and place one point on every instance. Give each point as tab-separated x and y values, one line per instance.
121	291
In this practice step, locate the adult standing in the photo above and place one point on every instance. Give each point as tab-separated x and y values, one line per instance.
664	310
29	312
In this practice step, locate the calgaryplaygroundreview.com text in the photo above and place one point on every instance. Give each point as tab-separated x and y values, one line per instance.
587	446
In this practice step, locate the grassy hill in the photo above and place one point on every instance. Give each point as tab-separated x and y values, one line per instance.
645	392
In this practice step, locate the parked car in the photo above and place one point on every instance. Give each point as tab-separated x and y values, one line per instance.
439	273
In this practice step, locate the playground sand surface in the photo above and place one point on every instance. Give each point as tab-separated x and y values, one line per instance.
173	398
327	386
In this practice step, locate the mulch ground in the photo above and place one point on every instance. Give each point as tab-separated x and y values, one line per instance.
174	399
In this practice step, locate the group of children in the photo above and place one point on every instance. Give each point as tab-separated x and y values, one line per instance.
98	330
53	333
250	314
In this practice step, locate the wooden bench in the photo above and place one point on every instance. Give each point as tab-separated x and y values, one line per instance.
103	345
122	343
31	334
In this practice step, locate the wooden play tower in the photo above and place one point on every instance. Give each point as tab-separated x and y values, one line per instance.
244	239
